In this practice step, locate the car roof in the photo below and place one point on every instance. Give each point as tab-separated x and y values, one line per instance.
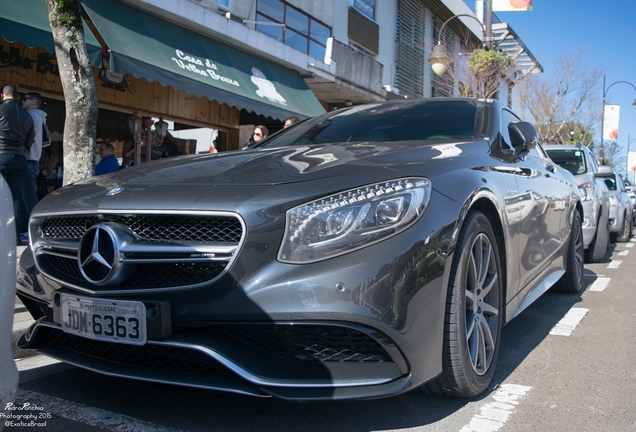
565	146
605	169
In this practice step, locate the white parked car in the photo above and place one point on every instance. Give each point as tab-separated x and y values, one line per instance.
8	371
631	192
594	194
621	217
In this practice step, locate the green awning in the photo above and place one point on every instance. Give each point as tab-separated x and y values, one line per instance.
150	47
27	21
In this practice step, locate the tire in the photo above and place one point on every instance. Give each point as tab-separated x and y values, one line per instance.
596	250
626	230
572	279
474	312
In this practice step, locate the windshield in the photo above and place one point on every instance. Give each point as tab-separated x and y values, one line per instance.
571	159
387	122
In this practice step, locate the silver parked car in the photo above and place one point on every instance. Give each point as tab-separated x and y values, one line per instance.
620	218
580	161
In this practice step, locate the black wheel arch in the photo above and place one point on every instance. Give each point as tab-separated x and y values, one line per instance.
485	203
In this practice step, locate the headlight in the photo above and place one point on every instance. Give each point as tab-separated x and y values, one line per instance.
350	220
586	191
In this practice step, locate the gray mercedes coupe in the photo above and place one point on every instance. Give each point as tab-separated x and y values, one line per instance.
357	254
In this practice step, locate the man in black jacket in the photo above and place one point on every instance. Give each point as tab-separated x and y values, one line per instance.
16	135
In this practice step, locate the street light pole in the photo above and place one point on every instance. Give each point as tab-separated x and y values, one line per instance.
439	57
601	150
488	39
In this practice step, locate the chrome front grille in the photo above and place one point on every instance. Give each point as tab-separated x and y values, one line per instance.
148	251
216	229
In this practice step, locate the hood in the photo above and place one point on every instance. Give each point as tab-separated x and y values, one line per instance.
278	165
231	179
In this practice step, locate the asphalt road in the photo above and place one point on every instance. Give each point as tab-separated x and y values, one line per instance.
566	364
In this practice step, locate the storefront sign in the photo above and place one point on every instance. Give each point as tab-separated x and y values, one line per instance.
15	57
199	67
365	7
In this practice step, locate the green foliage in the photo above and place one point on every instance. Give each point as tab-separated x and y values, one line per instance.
485	61
582	133
566	133
70	15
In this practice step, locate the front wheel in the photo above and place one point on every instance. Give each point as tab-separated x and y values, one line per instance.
474	312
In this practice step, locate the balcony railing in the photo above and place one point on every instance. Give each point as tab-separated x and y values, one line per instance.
356	68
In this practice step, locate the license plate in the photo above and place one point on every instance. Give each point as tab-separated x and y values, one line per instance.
105	320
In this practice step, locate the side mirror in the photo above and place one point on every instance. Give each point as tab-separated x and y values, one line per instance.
523	135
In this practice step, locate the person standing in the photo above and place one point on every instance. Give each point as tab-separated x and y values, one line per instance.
290	121
31	102
260	133
109	162
16	136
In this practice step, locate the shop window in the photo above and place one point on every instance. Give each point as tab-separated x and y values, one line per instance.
292	26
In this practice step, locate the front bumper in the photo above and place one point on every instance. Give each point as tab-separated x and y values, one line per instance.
615	219
590	221
357	362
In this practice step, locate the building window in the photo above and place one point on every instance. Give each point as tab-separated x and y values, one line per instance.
292	26
363	32
410	43
225	4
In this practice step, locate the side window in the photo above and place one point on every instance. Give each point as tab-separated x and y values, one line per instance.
507	117
619	183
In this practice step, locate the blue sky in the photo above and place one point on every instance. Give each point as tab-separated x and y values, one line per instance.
603	31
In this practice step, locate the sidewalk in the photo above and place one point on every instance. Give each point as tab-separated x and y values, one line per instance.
21	321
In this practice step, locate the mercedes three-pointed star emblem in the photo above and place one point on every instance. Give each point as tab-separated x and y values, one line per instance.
98	254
